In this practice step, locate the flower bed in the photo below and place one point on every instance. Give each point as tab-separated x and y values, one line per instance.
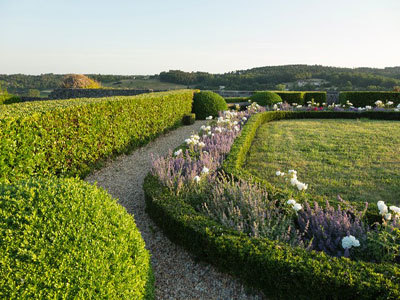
214	218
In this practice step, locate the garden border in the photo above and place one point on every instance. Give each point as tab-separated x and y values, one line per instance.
278	269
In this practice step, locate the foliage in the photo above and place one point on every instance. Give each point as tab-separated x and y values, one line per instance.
33	93
188	119
68	137
266	98
318	97
266	78
6	98
292	97
63	238
325	227
207	103
236	99
78	81
246	208
362	99
277	268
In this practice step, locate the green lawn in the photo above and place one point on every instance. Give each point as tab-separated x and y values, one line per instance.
358	159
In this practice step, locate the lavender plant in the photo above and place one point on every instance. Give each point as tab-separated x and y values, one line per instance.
327	228
246	208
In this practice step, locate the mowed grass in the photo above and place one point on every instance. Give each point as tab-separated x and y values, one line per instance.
357	159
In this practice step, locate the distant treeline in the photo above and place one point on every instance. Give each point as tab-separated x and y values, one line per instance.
269	77
263	78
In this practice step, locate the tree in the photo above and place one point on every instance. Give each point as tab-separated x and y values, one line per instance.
33	93
280	87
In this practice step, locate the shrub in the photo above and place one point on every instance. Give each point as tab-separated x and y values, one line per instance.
208	103
291	97
64	238
78	81
69	137
6	98
189	119
362	99
319	97
266	98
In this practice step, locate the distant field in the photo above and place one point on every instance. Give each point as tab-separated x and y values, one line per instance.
357	159
144	84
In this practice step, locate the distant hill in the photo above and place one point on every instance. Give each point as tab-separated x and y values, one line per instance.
291	77
296	77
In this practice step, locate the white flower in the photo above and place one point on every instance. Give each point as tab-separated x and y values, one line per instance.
209	118
275	107
294	181
205	170
388	217
292	171
368	107
244	119
291	202
350	241
389	103
397	109
301	186
297	207
299	106
201	144
218	129
398	105
395	209
278	173
197	179
383	209
237	128
178	152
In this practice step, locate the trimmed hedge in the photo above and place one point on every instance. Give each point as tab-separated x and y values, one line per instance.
69	137
207	103
189	119
319	97
277	269
67	239
266	98
361	99
291	97
236	99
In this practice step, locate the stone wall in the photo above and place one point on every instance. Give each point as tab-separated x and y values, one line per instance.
96	93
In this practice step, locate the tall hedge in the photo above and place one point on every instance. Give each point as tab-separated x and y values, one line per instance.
291	97
319	97
361	99
68	137
67	239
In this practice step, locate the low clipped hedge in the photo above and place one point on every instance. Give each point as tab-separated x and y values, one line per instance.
207	103
292	97
319	97
362	99
266	98
67	239
69	137
236	99
279	270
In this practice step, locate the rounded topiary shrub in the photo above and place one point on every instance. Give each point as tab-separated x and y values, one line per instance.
64	238
78	81
266	98
208	104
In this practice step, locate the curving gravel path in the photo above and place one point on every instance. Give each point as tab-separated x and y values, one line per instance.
178	275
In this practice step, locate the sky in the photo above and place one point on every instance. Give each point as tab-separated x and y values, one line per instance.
217	36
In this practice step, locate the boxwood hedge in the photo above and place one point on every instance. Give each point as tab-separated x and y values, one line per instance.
362	99
279	270
68	137
66	239
292	97
319	97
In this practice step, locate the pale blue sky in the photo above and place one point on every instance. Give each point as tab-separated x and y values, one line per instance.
147	37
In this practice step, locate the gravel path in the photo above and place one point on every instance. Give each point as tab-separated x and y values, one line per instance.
178	275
